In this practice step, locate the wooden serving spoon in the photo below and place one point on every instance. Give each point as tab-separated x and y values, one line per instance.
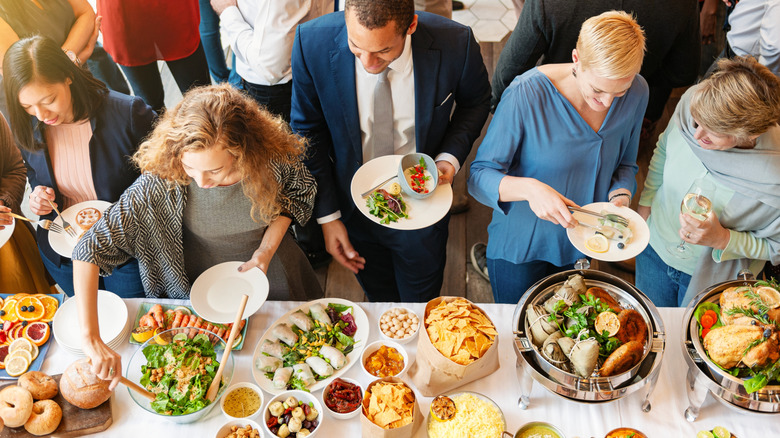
137	388
211	394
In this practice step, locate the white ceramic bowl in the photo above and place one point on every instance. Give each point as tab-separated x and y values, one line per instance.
232	388
406	339
225	429
338	415
374	346
306	398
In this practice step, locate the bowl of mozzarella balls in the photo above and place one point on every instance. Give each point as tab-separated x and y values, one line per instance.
399	324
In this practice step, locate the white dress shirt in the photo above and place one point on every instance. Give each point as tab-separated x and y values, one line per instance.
401	78
755	30
261	33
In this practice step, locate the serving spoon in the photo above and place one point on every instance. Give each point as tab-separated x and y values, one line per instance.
211	394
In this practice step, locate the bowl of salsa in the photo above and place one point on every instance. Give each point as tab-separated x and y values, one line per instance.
342	398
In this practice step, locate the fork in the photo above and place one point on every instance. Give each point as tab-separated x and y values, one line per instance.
43	223
609	216
68	229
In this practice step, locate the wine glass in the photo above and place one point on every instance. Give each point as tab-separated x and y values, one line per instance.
696	203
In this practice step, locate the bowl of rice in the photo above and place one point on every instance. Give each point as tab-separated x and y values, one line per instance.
476	416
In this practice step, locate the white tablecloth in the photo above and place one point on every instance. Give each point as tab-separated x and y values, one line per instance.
666	419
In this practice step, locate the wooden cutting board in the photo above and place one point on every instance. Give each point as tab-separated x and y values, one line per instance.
75	421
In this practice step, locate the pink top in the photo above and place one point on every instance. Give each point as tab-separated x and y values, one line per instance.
69	152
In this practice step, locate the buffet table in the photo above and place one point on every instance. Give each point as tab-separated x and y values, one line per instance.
669	399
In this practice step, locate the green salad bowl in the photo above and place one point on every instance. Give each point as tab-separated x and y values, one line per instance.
133	370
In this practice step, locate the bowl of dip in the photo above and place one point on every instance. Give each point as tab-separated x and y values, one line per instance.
384	359
539	429
241	401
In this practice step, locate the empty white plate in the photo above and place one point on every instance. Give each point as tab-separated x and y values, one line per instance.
216	293
112	320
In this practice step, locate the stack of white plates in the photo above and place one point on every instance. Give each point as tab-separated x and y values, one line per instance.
112	319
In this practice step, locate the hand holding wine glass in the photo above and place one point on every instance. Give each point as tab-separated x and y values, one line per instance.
696	203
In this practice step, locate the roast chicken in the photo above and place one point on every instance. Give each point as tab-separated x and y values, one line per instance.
737	297
727	344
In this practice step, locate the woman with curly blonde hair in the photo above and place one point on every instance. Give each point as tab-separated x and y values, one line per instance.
222	180
725	130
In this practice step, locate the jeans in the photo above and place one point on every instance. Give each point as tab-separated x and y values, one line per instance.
124	281
277	99
103	67
664	285
188	72
212	46
510	281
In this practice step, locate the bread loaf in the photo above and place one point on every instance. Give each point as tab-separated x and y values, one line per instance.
81	387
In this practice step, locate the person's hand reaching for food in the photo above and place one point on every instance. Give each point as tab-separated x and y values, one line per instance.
38	200
548	204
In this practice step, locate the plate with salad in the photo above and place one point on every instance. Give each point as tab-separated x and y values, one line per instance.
310	345
388	206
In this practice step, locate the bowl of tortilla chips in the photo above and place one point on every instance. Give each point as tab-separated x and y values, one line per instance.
389	404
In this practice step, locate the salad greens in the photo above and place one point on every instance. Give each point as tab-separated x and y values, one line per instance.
581	323
387	207
180	373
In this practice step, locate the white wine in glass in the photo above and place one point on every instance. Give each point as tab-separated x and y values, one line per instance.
697	204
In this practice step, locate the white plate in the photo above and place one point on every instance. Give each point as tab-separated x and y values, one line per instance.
6	232
63	243
361	340
422	212
639	231
217	292
112	320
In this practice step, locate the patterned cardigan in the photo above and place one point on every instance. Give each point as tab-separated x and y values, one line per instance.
146	223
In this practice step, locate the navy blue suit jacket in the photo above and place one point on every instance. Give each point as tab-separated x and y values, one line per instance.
448	70
117	130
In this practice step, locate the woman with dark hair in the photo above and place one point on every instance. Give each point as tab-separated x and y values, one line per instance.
222	181
76	138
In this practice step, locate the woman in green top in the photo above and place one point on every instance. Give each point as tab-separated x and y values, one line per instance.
724	129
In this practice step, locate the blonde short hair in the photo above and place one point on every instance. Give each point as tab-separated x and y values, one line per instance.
741	99
612	44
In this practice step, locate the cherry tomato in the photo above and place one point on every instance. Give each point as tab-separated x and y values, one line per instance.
704	332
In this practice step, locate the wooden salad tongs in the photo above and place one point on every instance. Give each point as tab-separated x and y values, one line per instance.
211	394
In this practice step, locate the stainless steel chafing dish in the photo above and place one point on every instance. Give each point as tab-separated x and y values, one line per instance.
532	366
705	377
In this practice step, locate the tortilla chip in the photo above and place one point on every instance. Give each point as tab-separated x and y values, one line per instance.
390	405
460	331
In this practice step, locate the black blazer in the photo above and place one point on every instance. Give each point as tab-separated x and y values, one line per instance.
117	130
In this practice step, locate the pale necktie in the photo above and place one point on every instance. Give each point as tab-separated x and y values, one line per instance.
382	131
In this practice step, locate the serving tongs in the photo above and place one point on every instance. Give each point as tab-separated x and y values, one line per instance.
608	216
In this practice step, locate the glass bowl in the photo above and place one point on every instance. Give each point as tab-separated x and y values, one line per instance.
133	372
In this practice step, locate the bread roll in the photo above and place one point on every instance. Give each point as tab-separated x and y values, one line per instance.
81	388
46	416
15	405
40	385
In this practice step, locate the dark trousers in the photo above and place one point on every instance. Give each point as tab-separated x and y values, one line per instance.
103	67
401	266
277	99
212	46
192	71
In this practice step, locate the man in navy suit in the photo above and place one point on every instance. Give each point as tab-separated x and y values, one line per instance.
432	64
